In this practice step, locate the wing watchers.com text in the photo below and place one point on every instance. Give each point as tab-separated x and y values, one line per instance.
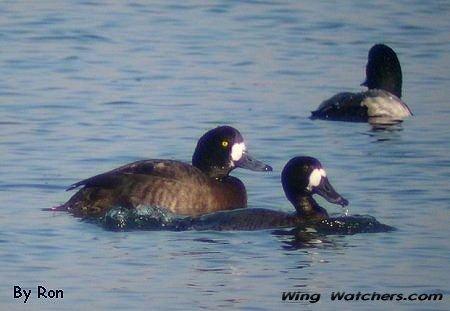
297	296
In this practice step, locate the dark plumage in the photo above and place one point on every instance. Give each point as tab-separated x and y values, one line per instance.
302	177
381	103
197	189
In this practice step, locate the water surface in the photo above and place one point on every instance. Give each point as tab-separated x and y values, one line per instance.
88	86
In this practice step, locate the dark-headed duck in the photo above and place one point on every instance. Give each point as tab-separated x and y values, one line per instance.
197	189
381	103
302	177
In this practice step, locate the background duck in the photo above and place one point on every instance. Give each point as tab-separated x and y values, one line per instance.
184	189
381	103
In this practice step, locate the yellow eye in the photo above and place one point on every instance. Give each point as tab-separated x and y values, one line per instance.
224	143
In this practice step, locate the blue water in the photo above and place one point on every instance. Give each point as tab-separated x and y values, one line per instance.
87	86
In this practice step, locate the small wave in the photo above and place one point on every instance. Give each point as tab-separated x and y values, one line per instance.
351	225
120	103
144	218
72	37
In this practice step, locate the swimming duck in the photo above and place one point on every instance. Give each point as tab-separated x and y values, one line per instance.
183	189
302	177
381	103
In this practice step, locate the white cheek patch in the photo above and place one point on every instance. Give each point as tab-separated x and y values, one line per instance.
237	151
316	177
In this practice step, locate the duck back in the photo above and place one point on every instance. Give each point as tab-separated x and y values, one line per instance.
176	186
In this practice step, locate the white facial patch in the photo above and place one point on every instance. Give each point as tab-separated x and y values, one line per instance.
316	177
237	151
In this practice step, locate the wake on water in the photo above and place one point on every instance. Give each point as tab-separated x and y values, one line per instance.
155	218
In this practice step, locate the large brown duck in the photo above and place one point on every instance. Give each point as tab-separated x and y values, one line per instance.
201	188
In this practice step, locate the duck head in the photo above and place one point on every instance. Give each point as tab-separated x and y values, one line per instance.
383	70
302	177
221	150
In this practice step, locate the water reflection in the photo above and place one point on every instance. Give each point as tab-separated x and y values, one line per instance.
320	235
385	123
294	239
385	130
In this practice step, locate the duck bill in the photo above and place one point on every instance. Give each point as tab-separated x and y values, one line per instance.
327	191
248	162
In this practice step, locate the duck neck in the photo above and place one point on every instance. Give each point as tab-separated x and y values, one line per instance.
209	168
308	208
216	172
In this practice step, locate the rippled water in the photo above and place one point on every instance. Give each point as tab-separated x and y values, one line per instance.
88	86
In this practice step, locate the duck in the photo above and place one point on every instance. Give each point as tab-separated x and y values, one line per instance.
381	103
302	177
180	188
